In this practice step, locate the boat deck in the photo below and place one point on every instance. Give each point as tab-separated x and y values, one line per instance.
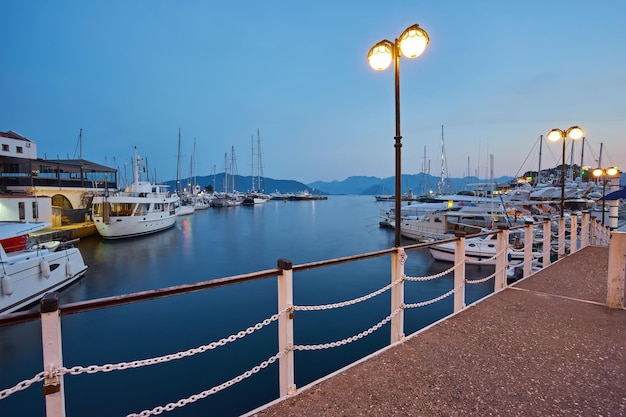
545	346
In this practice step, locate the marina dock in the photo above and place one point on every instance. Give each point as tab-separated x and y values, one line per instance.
547	345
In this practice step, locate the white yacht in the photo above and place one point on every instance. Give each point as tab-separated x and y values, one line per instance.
28	272
140	209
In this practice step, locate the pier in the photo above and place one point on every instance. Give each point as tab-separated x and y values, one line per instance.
551	343
547	345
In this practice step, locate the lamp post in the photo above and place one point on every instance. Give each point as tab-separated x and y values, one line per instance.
605	174
554	135
411	44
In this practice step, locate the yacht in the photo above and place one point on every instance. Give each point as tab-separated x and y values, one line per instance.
140	209
31	270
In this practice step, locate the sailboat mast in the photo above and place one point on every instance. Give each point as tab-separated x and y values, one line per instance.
252	158
178	165
260	161
539	167
582	154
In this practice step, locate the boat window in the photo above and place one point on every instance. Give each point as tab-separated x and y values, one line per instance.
491	245
122	209
471	245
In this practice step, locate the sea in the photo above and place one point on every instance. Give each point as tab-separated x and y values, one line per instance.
216	243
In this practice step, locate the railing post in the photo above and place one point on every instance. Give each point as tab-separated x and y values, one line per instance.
52	354
502	244
617	270
573	234
546	245
528	249
397	294
584	230
561	249
285	329
459	272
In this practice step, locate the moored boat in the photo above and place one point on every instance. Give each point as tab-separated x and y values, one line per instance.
140	209
30	272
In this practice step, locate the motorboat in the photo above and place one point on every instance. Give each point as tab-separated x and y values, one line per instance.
31	270
142	208
480	250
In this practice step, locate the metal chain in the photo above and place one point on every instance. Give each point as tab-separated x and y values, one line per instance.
431	277
183	402
349	302
434	300
349	339
92	369
23	385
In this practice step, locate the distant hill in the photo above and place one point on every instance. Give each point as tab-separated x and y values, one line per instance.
419	183
357	185
244	184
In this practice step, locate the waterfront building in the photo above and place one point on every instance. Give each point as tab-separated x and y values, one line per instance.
58	191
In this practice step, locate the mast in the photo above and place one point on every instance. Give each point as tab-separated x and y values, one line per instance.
582	154
260	161
539	168
252	170
442	180
225	172
178	165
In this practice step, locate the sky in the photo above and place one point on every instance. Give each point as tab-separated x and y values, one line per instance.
293	76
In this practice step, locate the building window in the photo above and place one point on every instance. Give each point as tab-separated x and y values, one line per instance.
5	148
21	208
19	149
35	210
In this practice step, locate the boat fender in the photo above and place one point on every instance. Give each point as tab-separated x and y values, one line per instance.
69	269
510	257
7	285
45	268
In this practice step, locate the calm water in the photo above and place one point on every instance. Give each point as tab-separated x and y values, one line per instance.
211	244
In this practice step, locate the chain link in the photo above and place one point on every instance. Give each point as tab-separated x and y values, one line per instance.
349	302
193	398
92	369
434	300
431	277
349	339
23	385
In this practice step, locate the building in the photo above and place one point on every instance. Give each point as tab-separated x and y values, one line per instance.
55	191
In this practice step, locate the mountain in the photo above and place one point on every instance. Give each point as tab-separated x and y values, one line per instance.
419	183
244	183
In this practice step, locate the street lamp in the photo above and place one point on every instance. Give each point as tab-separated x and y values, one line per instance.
605	174
554	135
411	44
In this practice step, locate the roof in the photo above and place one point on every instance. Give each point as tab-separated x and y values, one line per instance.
12	135
86	165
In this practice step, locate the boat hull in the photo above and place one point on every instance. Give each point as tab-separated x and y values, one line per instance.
23	281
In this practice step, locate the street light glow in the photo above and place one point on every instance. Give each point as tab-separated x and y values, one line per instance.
380	55
555	135
413	41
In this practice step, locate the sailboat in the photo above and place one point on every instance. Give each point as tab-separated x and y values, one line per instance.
256	195
186	207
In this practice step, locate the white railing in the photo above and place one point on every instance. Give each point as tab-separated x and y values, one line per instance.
54	371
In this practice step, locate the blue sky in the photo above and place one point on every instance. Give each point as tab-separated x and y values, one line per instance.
496	75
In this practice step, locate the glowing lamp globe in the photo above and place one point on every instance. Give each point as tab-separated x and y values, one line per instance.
413	41
380	55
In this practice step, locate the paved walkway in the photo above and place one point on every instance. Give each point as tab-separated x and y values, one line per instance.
545	347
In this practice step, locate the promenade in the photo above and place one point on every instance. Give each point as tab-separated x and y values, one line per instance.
546	346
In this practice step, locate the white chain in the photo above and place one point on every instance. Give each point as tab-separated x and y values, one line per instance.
77	370
183	402
22	385
349	302
490	259
481	280
349	339
431	277
434	300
